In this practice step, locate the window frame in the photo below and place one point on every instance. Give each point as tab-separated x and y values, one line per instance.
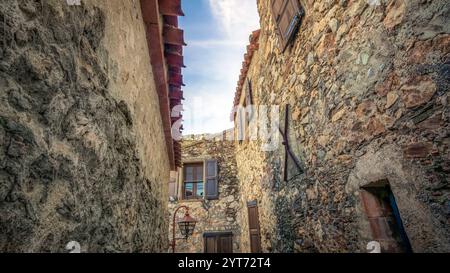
194	181
200	161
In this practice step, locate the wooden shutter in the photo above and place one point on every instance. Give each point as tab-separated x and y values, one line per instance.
172	189
249	99
211	181
240	126
249	95
287	15
173	185
253	225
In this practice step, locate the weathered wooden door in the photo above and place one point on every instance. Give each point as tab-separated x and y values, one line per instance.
384	219
218	242
253	225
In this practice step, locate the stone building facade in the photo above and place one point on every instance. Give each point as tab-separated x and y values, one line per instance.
85	144
217	229
366	88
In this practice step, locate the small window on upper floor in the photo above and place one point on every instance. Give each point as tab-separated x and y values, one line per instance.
287	16
193	181
200	180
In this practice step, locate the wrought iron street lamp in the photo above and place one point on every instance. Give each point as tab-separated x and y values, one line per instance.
186	225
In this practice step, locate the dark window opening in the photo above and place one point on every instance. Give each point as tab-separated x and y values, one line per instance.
384	218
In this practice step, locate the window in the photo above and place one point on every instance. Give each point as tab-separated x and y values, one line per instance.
221	242
193	181
287	15
200	180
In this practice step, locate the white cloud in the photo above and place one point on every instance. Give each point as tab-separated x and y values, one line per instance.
214	42
207	112
237	17
209	96
214	66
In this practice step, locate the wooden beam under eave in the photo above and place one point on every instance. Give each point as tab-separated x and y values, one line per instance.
174	60
150	11
177	49
176	79
175	69
171	20
176	118
177	96
173	36
174	103
151	17
170	7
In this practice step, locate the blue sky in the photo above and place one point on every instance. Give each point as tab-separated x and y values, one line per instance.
217	33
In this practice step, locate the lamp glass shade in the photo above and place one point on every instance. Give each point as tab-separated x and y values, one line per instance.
187	225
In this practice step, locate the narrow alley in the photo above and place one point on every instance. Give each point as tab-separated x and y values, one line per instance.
337	141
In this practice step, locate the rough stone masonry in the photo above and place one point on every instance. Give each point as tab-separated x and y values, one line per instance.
367	85
83	156
82	150
214	216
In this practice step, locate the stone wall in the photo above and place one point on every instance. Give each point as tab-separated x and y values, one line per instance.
367	86
82	151
212	215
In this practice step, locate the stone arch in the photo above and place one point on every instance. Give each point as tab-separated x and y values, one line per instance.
388	163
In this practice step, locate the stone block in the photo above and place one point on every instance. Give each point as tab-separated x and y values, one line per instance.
395	13
418	150
417	91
